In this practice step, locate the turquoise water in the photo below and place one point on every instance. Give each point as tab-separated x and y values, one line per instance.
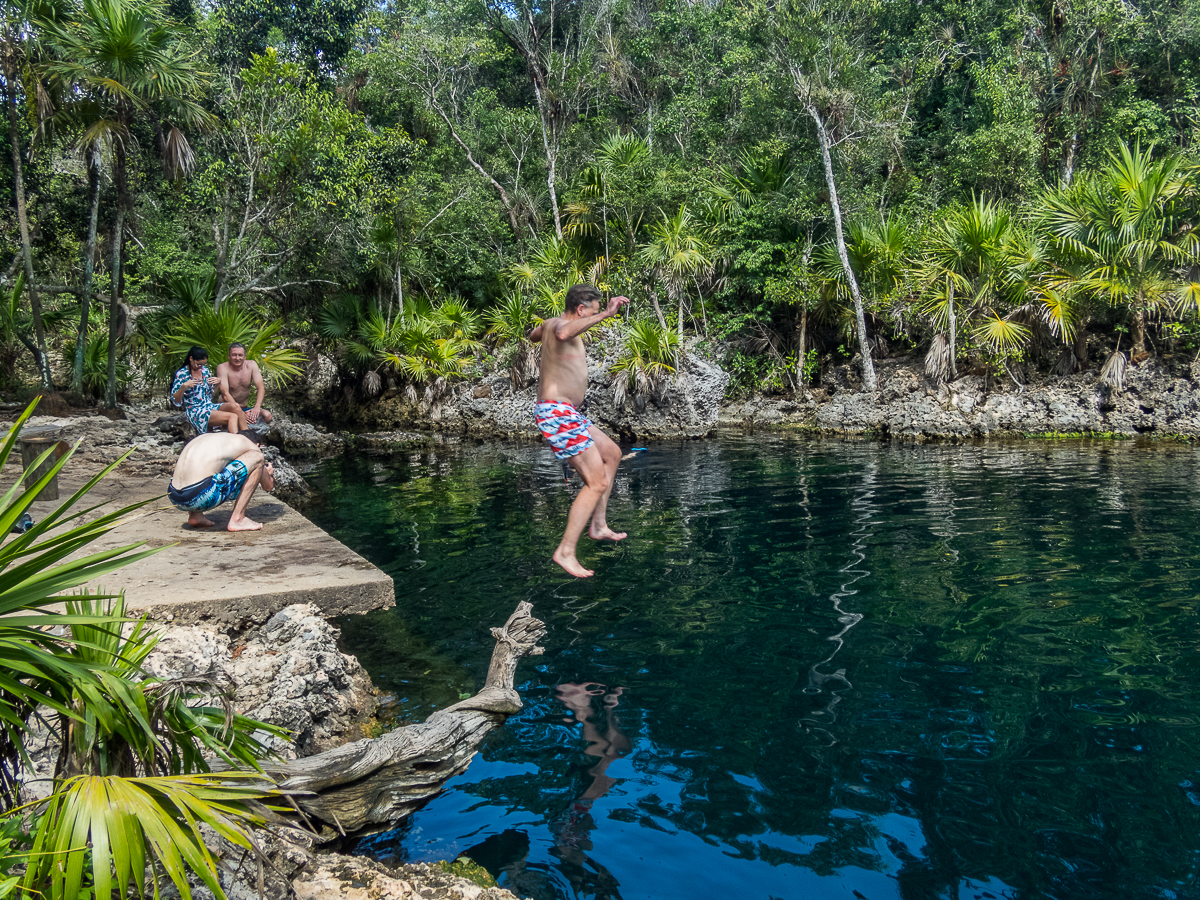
815	669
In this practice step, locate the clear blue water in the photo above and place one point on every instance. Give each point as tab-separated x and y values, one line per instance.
815	669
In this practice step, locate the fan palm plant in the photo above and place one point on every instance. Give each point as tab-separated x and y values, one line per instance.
215	330
508	324
1130	231
454	319
961	270
549	272
646	361
95	361
118	61
612	192
735	191
674	255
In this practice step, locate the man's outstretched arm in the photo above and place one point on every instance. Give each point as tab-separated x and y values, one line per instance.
564	331
535	334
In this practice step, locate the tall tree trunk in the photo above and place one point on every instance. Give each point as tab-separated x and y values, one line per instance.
1138	332
1080	346
551	155
801	340
118	242
35	304
679	324
953	329
868	366
89	265
657	309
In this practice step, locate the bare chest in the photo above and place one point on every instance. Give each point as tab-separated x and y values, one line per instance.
240	378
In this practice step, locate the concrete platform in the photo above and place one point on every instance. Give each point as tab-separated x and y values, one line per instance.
232	579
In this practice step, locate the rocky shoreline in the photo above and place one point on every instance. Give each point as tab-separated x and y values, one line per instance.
288	671
1160	398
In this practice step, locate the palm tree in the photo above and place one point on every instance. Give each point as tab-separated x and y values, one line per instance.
612	189
14	66
550	271
1130	228
509	321
759	176
877	255
962	268
124	59
675	254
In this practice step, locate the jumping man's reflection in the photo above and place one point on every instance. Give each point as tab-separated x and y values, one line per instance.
571	828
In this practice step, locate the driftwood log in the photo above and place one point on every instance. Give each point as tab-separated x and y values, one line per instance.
376	782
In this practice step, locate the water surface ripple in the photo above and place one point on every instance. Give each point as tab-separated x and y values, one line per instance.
815	669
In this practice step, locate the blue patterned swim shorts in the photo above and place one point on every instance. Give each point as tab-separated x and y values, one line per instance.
565	427
212	491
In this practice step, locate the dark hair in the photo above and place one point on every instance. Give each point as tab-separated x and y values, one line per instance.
196	354
580	294
236	344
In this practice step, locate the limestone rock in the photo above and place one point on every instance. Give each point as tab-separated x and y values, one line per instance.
290	487
290	673
357	878
302	439
388	440
320	378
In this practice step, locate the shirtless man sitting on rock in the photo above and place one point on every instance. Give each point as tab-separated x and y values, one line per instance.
575	439
217	467
237	376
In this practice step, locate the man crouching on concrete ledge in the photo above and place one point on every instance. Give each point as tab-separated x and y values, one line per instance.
217	467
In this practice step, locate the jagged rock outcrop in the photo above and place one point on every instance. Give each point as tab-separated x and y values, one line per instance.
288	673
1160	398
302	439
292	870
688	407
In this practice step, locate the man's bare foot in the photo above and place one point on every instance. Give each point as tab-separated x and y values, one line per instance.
572	566
196	520
606	534
243	524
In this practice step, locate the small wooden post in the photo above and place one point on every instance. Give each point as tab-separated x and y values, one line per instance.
33	443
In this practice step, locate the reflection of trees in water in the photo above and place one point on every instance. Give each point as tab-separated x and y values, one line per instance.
832	684
1011	689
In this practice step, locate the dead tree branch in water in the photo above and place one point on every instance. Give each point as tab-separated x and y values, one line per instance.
378	781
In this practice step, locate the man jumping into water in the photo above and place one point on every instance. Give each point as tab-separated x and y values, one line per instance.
575	439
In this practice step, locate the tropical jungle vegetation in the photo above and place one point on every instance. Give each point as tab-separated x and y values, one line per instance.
408	184
130	788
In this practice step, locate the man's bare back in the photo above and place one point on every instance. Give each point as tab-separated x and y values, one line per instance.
564	366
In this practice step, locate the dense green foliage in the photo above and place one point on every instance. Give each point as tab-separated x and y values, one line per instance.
131	784
333	153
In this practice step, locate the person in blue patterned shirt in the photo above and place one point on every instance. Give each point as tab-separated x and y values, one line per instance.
192	389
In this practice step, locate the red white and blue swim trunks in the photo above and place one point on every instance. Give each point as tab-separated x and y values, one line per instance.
565	427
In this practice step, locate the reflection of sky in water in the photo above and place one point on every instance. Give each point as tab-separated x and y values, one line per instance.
653	855
898	671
